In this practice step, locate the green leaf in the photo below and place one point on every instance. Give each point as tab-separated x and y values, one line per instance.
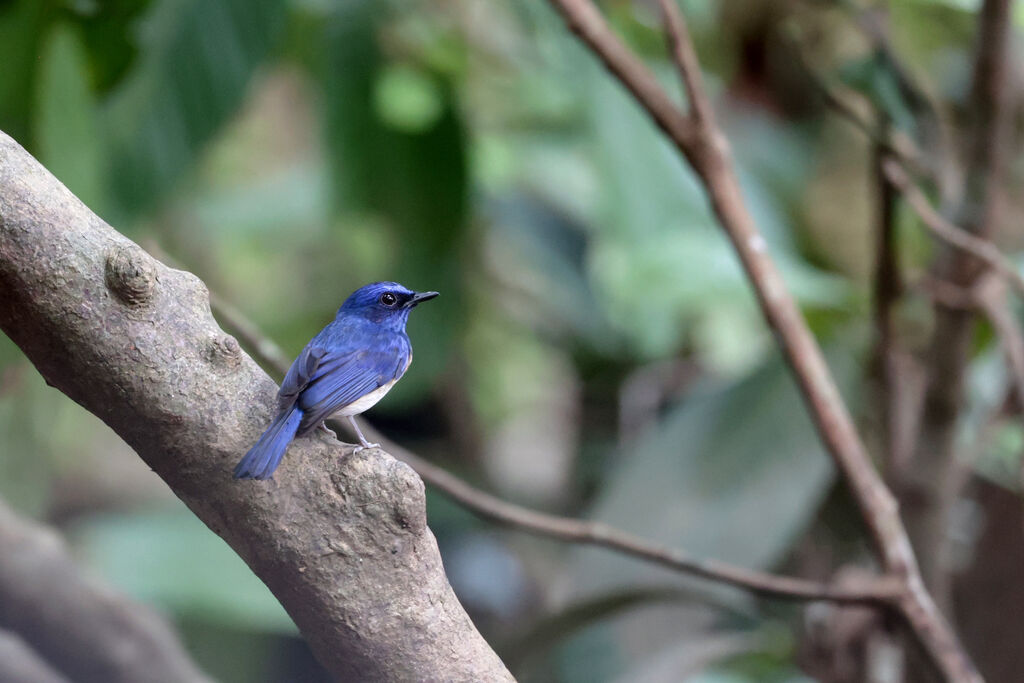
22	26
108	29
539	253
196	60
67	129
526	653
407	99
732	472
875	78
656	234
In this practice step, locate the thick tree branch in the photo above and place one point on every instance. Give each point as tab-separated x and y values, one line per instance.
707	151
341	540
19	663
82	628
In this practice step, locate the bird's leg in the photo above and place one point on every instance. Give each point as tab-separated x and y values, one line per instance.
362	439
334	437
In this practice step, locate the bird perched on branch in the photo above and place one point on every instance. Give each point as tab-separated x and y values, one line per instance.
343	371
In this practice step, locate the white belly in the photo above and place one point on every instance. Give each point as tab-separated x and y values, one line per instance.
361	405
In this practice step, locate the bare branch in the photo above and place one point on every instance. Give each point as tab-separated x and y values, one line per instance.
342	542
584	19
933	474
685	58
990	293
887	291
886	138
954	235
84	629
707	151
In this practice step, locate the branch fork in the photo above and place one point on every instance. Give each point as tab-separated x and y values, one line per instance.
695	135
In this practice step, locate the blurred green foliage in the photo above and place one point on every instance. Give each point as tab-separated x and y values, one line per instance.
288	151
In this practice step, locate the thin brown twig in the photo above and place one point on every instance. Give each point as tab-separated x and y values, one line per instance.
990	294
933	474
879	591
707	151
836	97
685	58
979	247
887	291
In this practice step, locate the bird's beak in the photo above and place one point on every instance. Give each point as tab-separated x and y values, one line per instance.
418	297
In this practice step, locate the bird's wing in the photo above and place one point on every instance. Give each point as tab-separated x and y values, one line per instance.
302	371
326	381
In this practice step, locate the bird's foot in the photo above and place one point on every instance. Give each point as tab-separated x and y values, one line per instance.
327	430
363	446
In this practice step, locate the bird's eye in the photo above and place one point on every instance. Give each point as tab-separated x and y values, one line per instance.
388	299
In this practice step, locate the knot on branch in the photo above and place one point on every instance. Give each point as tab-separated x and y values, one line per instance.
408	497
224	351
130	274
375	481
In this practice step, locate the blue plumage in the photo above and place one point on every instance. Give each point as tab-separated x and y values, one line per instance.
347	367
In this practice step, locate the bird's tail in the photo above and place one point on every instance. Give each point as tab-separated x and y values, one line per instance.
262	459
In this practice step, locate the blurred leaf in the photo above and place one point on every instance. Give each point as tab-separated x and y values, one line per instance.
660	263
109	31
66	127
152	556
761	652
27	411
351	128
407	99
22	27
874	77
533	646
539	253
783	674
196	59
732	472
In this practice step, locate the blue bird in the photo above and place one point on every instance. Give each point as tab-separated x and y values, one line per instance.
347	367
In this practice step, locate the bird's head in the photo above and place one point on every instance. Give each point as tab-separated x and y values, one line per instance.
382	302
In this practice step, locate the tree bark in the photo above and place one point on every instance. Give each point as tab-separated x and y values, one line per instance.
340	539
